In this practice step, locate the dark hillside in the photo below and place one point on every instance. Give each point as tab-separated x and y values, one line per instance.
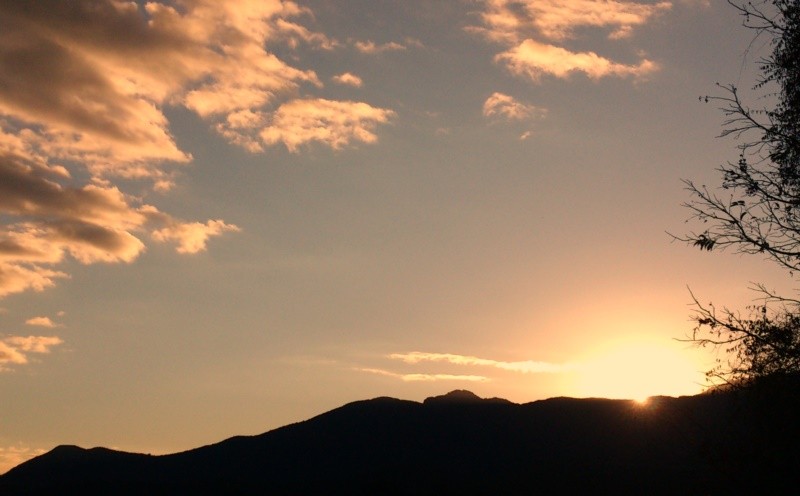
734	442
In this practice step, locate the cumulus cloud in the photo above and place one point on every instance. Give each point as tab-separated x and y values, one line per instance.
499	105
41	322
94	222
14	350
348	79
533	60
334	123
83	92
529	29
527	366
425	377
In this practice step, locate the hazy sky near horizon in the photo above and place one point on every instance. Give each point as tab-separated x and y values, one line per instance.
222	217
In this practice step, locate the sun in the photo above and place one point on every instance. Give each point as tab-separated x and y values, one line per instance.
636	370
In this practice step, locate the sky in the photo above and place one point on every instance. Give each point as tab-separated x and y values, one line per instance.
218	218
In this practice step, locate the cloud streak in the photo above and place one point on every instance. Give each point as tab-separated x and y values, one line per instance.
525	367
370	47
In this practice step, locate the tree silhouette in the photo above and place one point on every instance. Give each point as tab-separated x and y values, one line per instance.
756	209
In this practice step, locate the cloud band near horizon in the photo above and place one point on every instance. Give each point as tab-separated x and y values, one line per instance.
526	366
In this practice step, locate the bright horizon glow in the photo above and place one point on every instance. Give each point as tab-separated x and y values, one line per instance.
637	370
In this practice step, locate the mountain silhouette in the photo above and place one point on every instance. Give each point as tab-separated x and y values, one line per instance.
730	442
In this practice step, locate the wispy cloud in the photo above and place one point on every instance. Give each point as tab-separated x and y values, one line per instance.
14	350
425	377
529	29
371	47
500	105
526	366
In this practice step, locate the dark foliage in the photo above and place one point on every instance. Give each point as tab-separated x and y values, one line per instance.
756	210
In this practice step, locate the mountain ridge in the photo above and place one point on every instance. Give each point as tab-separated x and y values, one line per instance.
458	443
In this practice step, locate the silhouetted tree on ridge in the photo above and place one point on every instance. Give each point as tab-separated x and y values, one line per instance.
756	209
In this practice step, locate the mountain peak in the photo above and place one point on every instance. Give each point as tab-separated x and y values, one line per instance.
456	396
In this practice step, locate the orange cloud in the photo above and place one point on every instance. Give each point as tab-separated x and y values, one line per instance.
533	60
501	105
16	278
41	322
334	123
92	223
527	366
14	349
94	77
83	92
522	25
511	21
191	237
348	79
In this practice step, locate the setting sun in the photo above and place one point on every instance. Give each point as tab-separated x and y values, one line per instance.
637	370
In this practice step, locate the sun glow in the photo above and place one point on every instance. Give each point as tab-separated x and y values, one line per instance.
636	370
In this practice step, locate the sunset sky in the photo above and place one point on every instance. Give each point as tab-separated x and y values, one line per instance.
222	217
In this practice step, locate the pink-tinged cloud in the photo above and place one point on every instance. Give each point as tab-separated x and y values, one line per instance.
14	350
40	322
500	105
348	79
533	60
425	377
527	366
333	123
